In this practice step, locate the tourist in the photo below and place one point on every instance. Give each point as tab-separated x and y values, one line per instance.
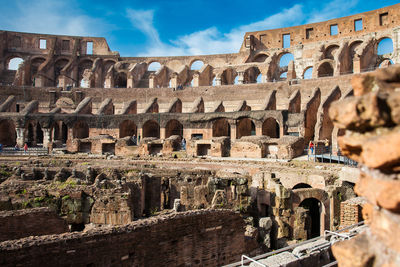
16	147
183	145
26	148
134	140
326	145
311	147
1	147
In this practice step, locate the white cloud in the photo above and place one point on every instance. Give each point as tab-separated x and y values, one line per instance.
211	40
52	17
143	21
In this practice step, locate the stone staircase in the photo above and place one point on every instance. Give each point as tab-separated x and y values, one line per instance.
7	77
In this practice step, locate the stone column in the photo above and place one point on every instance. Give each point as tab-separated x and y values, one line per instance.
356	64
233	131
152	81
162	133
46	137
20	137
240	77
218	81
196	79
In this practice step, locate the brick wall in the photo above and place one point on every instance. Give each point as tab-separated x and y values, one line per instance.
350	211
21	223
195	238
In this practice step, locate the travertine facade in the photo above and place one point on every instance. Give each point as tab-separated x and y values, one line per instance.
71	88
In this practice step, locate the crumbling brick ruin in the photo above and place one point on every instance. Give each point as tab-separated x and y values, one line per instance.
196	163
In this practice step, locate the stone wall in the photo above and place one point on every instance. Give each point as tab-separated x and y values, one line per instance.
199	238
371	119
350	211
22	223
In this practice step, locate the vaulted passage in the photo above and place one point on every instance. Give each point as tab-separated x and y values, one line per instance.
325	70
151	129
80	130
60	132
270	128
7	133
33	134
127	128
245	127
313	206
221	127
173	127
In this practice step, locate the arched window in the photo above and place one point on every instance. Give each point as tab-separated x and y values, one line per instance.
285	60
385	46
308	73
154	66
196	65
14	63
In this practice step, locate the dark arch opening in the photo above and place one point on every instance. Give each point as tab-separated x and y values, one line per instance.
121	80
301	185
221	127
151	129
60	132
245	127
173	127
325	70
127	128
8	134
313	207
270	128
80	130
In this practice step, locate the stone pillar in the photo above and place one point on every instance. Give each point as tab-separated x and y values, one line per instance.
20	137
108	82
62	81
162	133
130	82
240	77
46	137
39	81
258	130
152	81
233	131
356	64
174	81
196	79
218	81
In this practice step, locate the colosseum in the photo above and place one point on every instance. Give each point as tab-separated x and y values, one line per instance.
290	145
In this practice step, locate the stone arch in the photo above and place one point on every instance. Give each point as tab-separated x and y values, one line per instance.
347	61
384	46
314	208
153	66
196	64
80	130
59	132
35	65
385	62
221	127
83	65
127	128
261	57
325	69
330	52
59	65
13	63
301	185
8	134
151	129
307	74
251	74
270	127
321	197
121	80
173	127
284	59
33	133
245	127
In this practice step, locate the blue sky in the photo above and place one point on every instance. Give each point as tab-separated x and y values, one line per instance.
171	27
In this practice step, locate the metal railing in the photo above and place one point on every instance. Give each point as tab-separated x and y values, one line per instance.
32	151
325	155
326	235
